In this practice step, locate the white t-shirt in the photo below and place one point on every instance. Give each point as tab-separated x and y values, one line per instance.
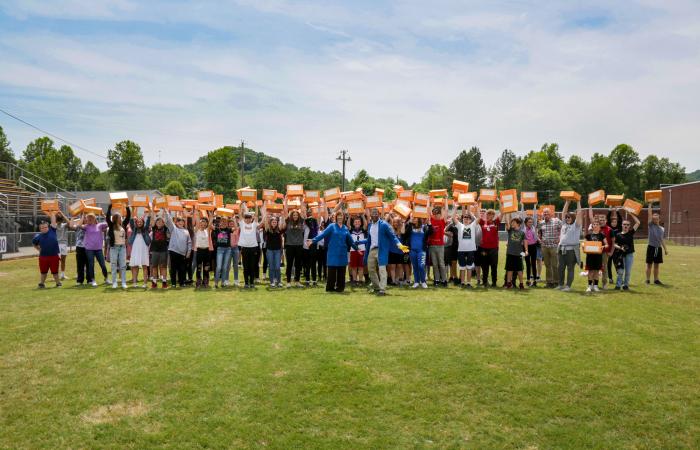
249	233
201	239
358	236
466	236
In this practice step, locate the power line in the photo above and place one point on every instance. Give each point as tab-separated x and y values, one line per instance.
51	134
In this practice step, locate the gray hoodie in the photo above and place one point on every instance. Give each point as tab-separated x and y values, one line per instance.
180	240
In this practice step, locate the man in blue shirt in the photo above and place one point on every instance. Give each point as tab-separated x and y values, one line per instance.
380	240
46	243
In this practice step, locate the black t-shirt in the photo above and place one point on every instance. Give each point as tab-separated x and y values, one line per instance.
626	241
222	237
596	237
160	240
273	240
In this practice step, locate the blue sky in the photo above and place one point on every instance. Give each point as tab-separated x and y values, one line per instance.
400	84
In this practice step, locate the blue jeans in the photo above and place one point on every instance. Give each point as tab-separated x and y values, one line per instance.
90	255
418	264
625	270
233	260
117	258
223	261
274	260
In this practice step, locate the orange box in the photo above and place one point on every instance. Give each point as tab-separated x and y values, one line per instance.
460	186
312	196
205	207
402	202
438	193
269	194
593	247
139	200
440	201
570	195
76	208
118	197
49	206
172	198
119	208
175	205
509	201
528	197
421	212
467	198
188	203
552	208
219	200
374	201
294	203
224	212
90	202
331	194
247	195
273	207
96	210
294	190
354	195
406	195
652	196
614	200
332	204
379	192
402	210
596	197
356	207
398	188
632	207
205	196
160	202
420	198
487	195
279	196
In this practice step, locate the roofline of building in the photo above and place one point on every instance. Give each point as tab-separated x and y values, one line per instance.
680	184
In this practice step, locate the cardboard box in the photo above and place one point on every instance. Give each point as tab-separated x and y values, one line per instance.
356	207
160	202
205	207
119	208
172	198
438	193
269	194
652	196
442	202
402	210
354	195
406	195
225	212
509	201
188	203
76	208
139	200
421	199
247	195
632	207
552	208
400	201
570	195
460	186
593	247
398	188
421	212
205	197
596	197
467	198
272	207
294	203
96	210
118	197
332	204
528	197
379	192
312	196
487	195
614	200
331	194
175	205
49	206
219	200
294	190
374	201
90	202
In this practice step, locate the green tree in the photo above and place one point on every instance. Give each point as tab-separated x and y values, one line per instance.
627	166
6	153
273	176
220	172
602	174
43	160
437	176
89	177
504	174
73	167
38	148
126	166
469	166
175	188
159	175
575	175
657	171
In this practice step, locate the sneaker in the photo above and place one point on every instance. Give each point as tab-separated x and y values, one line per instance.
415	285
154	285
93	284
164	285
617	288
589	288
468	285
78	283
595	288
625	288
41	285
521	286
289	285
124	286
424	285
107	281
566	289
135	285
658	282
224	284
381	293
534	284
560	287
114	285
647	282
59	284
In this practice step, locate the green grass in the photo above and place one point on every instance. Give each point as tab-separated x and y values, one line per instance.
93	368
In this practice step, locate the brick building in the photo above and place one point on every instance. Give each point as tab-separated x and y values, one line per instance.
680	212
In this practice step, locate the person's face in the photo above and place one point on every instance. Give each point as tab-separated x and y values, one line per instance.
396	222
44	228
596	228
613	221
655	218
117	219
160	223
90	220
528	222
490	216
467	220
339	218
374	214
139	222
357	223
625	225
602	220
514	224
568	219
202	224
547	214
180	222
273	222
231	224
295	215
248	219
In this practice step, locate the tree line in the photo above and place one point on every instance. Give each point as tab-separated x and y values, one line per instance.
546	171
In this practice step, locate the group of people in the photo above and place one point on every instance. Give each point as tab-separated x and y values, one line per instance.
380	249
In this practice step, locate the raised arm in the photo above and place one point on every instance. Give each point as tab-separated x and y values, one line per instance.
565	211
590	214
54	223
579	213
636	222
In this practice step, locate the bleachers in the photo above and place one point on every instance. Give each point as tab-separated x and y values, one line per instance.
20	202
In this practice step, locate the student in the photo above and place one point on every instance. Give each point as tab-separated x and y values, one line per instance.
569	246
607	247
309	252
248	243
62	236
465	235
160	238
380	240
202	247
395	266
516	246
614	220
489	246
179	249
624	244
550	231
273	247
655	256
533	242
235	250
140	241
46	243
116	241
357	256
436	247
322	253
93	240
293	227
80	257
416	238
594	261
191	261
221	239
338	241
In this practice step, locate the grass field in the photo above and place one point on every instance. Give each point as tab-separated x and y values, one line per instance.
96	368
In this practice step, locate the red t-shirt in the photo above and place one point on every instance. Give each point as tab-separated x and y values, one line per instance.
489	233
606	232
438	235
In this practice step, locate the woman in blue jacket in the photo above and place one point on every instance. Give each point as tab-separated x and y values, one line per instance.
338	243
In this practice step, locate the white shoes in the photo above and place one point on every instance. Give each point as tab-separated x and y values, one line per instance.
589	288
114	285
415	285
424	285
93	284
566	289
124	285
595	288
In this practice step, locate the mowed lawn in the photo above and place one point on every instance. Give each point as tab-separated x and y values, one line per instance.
96	368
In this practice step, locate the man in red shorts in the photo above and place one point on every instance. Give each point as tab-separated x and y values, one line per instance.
49	253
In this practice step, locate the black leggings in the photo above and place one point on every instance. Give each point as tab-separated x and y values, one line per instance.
336	279
250	260
309	256
264	256
178	268
203	264
489	261
531	261
81	262
294	261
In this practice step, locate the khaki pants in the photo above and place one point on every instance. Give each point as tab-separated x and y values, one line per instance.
377	273
604	269
551	264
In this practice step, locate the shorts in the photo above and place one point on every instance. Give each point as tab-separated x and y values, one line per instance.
539	252
514	263
594	262
159	259
655	255
466	260
47	263
395	258
406	259
63	249
449	255
357	259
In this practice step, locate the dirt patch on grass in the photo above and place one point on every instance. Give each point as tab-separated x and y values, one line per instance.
280	374
114	413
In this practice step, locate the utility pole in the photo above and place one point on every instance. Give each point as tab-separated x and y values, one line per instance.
343	157
241	161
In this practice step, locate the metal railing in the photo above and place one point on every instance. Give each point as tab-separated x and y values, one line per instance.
15	172
30	185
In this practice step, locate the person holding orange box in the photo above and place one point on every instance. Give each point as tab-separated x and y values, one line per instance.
594	261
